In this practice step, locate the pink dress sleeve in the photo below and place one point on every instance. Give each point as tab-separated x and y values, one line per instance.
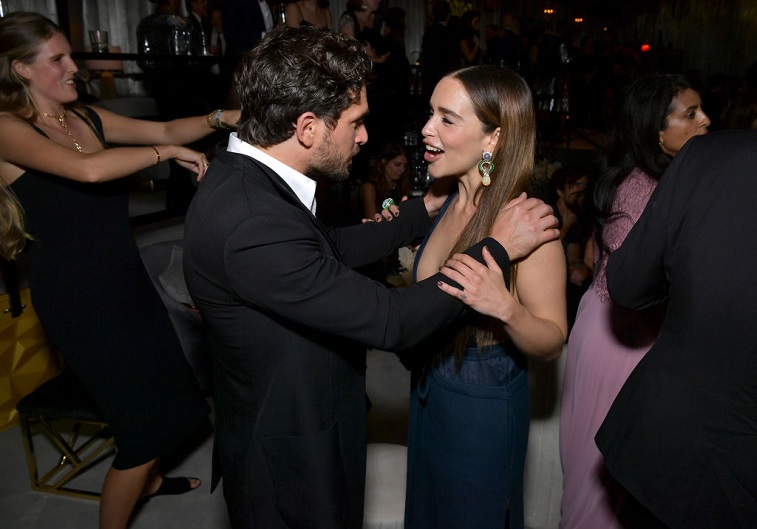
630	200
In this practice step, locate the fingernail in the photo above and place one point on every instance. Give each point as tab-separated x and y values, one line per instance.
396	213
439	283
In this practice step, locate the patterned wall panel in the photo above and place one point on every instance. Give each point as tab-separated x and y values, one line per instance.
26	360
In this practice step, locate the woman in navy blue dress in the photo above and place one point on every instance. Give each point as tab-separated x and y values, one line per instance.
469	411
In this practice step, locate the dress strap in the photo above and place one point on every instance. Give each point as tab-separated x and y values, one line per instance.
428	233
92	119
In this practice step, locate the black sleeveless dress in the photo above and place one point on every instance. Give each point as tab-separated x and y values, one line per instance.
95	300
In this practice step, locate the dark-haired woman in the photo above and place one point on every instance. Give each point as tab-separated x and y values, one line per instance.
468	39
309	12
358	17
61	185
659	115
390	179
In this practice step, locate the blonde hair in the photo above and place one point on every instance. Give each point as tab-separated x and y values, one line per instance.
501	99
13	235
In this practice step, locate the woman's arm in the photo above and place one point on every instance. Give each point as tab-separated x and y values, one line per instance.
23	147
294	17
129	131
577	270
535	320
470	53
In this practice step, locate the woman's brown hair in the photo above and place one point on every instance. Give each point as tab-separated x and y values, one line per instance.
501	99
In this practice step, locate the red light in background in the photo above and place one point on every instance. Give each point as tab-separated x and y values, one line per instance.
645	48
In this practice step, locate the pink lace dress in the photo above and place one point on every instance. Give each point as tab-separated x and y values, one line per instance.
604	346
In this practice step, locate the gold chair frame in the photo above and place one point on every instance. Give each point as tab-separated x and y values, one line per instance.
73	460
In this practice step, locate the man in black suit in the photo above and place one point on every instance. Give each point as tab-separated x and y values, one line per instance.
199	25
681	436
288	317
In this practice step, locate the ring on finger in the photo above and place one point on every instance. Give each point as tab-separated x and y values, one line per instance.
387	204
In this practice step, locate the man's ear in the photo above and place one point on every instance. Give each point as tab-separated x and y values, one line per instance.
21	69
307	129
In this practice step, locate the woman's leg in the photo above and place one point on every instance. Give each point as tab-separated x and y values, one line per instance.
121	490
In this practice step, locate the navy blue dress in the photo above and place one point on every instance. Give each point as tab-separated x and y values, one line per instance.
98	306
468	436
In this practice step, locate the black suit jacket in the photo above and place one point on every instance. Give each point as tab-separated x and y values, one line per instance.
289	321
682	434
243	25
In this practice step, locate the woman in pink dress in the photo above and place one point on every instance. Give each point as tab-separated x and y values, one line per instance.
659	115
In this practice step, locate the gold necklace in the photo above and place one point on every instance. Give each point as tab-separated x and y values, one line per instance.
62	120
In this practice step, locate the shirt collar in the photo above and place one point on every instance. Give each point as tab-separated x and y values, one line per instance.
302	186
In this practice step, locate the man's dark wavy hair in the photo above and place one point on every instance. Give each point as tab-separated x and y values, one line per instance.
293	71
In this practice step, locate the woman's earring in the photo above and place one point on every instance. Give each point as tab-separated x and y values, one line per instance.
485	167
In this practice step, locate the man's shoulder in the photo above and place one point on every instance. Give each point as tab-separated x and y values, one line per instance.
711	154
733	140
238	179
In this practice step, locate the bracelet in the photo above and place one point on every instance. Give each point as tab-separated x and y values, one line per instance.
214	120
157	154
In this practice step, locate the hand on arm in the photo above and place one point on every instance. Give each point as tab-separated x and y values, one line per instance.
389	210
187	158
483	285
523	225
536	320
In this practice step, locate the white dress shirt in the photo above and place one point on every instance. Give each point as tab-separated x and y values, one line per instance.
302	186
